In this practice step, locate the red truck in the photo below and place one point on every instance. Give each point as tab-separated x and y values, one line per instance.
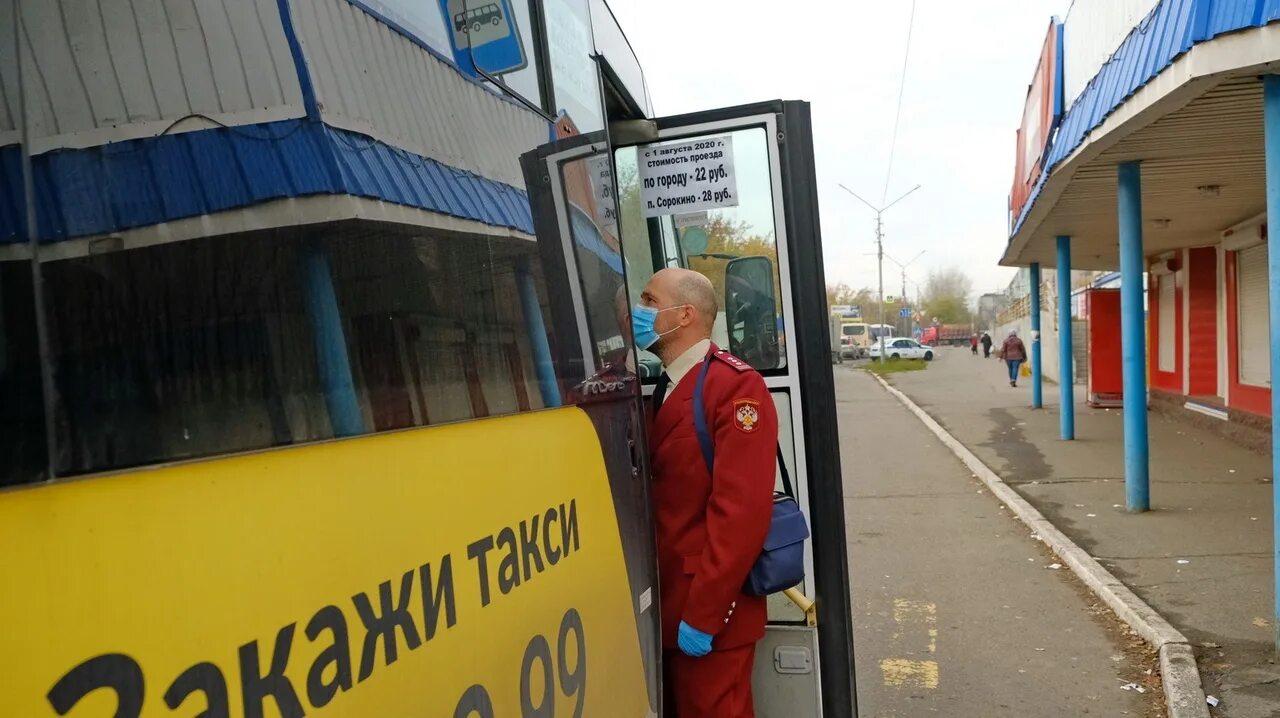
953	334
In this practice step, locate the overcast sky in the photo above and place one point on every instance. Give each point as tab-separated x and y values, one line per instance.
966	83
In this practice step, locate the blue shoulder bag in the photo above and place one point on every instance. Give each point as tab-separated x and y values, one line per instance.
781	562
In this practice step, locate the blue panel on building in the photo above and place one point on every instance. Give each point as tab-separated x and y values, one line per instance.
1172	28
181	192
143	182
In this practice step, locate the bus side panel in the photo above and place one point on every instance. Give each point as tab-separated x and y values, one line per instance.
616	422
474	568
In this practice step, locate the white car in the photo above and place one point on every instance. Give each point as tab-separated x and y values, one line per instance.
902	348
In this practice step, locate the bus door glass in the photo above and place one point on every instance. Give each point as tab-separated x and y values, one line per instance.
571	194
728	193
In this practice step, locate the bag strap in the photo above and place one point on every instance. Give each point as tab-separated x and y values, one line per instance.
700	417
704	433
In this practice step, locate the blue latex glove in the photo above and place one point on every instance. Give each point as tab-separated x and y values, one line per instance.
693	642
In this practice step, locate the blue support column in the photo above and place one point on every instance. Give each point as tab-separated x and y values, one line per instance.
538	344
1066	358
1037	375
1271	131
1137	467
330	341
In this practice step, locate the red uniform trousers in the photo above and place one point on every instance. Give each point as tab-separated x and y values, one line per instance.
717	685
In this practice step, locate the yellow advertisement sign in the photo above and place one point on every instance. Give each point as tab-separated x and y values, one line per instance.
466	571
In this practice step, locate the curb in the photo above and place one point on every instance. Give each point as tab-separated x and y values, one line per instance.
1182	688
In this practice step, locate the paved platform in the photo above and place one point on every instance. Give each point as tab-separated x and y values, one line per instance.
1201	557
956	612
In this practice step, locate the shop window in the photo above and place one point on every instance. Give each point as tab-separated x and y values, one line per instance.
1167	327
1253	316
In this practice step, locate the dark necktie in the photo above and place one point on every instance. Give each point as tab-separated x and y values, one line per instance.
660	391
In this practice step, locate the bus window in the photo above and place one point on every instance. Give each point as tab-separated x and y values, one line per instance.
482	17
22	421
217	345
707	241
593	227
750	311
573	73
22	417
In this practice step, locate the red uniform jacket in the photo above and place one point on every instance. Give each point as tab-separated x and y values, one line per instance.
711	528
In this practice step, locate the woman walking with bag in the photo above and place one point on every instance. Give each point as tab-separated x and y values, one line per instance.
1014	352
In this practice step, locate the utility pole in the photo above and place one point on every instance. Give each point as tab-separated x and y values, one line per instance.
880	271
880	249
903	267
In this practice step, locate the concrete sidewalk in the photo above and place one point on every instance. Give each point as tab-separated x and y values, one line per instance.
955	614
1201	557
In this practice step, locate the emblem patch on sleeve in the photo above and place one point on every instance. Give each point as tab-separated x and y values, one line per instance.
746	415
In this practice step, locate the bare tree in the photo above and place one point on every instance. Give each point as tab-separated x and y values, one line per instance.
946	296
838	294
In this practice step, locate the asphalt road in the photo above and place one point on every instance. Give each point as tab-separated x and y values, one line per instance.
956	612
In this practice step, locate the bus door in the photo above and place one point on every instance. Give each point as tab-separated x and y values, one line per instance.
570	190
730	193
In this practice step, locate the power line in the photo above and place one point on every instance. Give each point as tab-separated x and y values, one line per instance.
902	88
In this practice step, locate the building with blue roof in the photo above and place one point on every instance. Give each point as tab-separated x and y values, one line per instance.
1151	148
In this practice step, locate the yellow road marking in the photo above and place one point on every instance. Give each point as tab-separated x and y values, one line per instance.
910	616
912	613
900	673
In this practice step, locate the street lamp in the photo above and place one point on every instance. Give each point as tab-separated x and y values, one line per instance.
880	249
903	267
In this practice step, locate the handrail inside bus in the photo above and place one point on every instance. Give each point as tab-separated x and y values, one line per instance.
804	603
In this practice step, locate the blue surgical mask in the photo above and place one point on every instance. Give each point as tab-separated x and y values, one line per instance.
642	319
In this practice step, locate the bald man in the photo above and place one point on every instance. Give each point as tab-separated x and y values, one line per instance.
711	525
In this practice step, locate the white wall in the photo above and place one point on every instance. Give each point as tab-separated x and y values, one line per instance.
1049	363
1094	29
370	79
1048	340
119	69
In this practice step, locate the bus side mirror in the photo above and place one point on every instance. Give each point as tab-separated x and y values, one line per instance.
750	308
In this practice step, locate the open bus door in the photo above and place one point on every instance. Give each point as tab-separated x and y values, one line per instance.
730	193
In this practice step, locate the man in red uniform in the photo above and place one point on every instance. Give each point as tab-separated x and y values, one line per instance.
710	526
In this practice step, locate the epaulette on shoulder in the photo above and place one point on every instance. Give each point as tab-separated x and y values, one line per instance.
733	361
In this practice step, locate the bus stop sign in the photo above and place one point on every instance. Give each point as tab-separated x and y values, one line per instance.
484	34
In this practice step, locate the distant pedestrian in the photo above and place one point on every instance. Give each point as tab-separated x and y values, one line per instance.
1014	352
986	345
973	344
